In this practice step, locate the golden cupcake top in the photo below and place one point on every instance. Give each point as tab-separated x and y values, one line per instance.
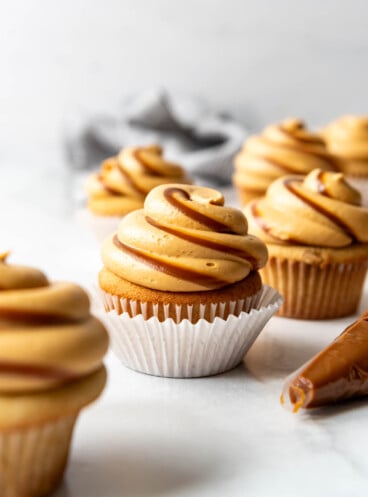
347	139
184	240
48	337
321	210
123	181
281	149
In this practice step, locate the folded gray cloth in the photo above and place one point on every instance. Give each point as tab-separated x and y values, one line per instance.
203	142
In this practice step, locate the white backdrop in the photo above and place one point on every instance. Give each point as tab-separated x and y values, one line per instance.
262	60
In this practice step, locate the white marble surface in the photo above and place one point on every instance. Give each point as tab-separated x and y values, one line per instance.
222	436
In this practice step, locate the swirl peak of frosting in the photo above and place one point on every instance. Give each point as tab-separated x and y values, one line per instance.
321	209
281	149
124	180
184	240
47	335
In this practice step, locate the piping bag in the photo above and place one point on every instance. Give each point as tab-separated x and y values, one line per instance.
339	372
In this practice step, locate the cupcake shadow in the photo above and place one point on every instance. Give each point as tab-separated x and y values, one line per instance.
287	344
138	471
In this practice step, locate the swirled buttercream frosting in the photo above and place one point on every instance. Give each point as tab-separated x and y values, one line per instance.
321	209
183	240
48	337
124	180
281	149
347	139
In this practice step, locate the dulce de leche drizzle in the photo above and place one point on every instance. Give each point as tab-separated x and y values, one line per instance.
175	195
338	372
47	334
170	269
285	148
318	210
124	180
184	239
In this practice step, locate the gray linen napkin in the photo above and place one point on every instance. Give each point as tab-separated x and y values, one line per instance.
192	135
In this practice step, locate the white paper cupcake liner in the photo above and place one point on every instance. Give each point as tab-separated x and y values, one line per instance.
33	460
194	312
99	226
184	349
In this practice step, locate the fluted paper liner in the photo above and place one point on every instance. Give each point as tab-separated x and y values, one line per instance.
99	226
33	460
184	349
312	292
178	312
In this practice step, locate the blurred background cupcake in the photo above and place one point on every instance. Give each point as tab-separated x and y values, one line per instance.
281	149
347	140
317	237
51	351
122	184
181	284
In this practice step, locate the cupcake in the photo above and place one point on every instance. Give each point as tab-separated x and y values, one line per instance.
179	282
122	184
317	238
282	149
347	140
51	351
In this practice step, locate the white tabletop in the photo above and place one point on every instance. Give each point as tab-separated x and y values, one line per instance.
223	436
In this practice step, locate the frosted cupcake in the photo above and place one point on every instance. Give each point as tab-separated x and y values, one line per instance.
123	182
177	274
347	140
51	351
317	237
281	149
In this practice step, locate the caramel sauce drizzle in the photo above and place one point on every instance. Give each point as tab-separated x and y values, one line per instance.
266	227
306	139
299	148
288	183
130	180
33	318
21	369
168	268
206	243
108	189
146	166
207	221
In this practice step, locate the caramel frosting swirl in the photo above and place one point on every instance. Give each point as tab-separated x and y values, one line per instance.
47	335
285	148
124	180
184	240
347	139
321	209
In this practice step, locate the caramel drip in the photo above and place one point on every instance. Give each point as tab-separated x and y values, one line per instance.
288	183
108	189
205	243
130	181
266	228
33	318
298	148
207	221
170	269
21	369
278	164
146	166
306	139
